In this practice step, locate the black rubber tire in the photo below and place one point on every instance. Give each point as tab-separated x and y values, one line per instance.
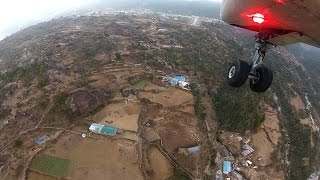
264	81
240	74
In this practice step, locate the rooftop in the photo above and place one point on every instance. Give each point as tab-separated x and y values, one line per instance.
102	129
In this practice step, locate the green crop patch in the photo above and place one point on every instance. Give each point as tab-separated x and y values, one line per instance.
141	84
50	165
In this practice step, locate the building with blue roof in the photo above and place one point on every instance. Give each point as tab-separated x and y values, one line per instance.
108	130
173	81
180	77
103	129
41	140
226	167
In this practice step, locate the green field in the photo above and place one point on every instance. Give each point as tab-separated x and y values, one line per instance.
91	138
50	165
141	84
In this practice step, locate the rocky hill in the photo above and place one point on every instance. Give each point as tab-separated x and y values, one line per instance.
60	76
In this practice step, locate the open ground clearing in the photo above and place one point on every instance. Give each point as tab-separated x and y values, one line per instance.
170	97
263	148
123	115
271	125
50	165
97	159
37	176
175	136
297	102
161	167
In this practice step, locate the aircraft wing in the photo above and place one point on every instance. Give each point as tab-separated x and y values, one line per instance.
292	21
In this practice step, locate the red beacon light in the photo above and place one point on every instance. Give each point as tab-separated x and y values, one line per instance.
257	18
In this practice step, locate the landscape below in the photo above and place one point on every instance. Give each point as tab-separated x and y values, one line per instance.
151	88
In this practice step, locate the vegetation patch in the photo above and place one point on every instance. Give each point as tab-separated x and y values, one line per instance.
238	110
198	106
17	143
27	74
3	114
141	84
179	175
50	165
89	138
59	110
103	45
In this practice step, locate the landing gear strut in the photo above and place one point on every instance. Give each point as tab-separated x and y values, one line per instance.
260	76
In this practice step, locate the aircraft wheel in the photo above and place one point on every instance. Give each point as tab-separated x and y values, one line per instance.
238	73
264	79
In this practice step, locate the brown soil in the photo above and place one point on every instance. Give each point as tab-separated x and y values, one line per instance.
271	125
161	166
305	121
153	87
263	148
170	97
98	159
37	176
121	115
297	102
129	135
150	135
231	141
187	109
268	173
175	136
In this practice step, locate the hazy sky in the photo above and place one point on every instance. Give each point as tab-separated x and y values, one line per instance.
17	14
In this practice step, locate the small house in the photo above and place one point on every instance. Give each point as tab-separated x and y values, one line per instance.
227	168
189	150
219	175
42	139
181	77
172	81
184	85
193	150
102	129
161	30
224	152
247	150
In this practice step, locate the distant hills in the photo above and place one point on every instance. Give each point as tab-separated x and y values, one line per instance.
197	8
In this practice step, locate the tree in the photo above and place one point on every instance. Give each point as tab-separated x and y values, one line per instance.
17	143
118	56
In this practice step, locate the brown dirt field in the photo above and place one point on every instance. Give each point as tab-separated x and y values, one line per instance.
269	173
153	110
297	102
129	135
263	148
101	56
171	97
37	176
231	141
271	126
114	74
150	135
181	117
150	87
161	166
187	109
175	136
121	115
305	121
101	80
98	159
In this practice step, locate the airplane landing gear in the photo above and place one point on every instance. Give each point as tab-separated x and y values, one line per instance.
260	76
